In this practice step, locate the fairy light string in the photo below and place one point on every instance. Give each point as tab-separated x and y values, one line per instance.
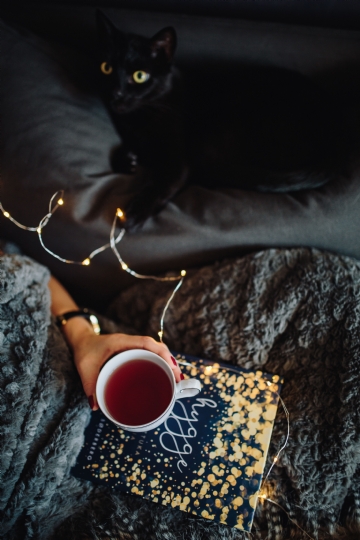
263	491
56	201
276	458
119	215
45	220
266	498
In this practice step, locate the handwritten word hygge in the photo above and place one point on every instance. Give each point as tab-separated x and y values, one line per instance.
184	430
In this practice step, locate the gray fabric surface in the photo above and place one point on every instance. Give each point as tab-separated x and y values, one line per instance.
293	312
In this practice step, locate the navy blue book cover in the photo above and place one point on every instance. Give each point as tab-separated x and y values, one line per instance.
208	458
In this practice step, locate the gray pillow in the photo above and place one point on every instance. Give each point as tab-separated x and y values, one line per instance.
56	134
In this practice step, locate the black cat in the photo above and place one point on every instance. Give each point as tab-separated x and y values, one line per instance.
262	128
140	85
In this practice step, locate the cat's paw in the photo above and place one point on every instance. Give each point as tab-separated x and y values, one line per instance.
138	211
123	162
145	205
153	198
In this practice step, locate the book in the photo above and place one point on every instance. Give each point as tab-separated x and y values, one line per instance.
208	458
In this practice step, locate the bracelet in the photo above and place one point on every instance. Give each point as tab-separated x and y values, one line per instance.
61	320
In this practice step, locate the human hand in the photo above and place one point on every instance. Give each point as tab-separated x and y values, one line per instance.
91	352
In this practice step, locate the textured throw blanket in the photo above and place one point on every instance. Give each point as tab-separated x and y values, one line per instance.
292	312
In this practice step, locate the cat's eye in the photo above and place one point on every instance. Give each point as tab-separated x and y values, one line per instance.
106	68
141	76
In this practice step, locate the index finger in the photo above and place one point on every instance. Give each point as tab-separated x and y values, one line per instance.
149	344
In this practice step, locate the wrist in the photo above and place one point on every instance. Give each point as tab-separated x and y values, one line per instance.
64	317
77	329
78	324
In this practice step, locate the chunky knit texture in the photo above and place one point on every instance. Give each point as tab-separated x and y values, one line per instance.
292	312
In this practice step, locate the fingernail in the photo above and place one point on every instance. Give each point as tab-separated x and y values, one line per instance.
182	376
174	361
91	402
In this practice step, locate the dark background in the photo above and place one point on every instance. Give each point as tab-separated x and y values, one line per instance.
328	13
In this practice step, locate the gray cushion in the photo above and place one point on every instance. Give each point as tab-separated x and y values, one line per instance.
56	134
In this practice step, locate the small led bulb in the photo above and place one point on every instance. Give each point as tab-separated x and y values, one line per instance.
60	202
38	230
183	273
86	262
6	214
124	266
160	334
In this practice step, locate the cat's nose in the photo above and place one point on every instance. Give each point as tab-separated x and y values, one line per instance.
118	94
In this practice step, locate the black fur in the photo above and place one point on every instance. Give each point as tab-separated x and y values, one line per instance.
262	128
146	115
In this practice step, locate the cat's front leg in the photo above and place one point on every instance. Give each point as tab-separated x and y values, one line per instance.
156	192
123	161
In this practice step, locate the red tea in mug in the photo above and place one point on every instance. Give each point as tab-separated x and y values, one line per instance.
137	392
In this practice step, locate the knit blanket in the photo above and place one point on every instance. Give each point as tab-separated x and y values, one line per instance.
292	312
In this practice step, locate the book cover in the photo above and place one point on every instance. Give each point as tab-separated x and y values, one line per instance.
208	458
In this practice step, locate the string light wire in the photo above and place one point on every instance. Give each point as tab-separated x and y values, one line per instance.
276	458
262	495
45	220
265	498
114	240
8	216
119	215
161	333
282	448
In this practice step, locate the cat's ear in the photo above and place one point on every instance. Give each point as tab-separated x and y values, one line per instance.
165	41
106	29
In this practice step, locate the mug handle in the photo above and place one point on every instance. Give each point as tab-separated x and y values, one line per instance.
187	388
